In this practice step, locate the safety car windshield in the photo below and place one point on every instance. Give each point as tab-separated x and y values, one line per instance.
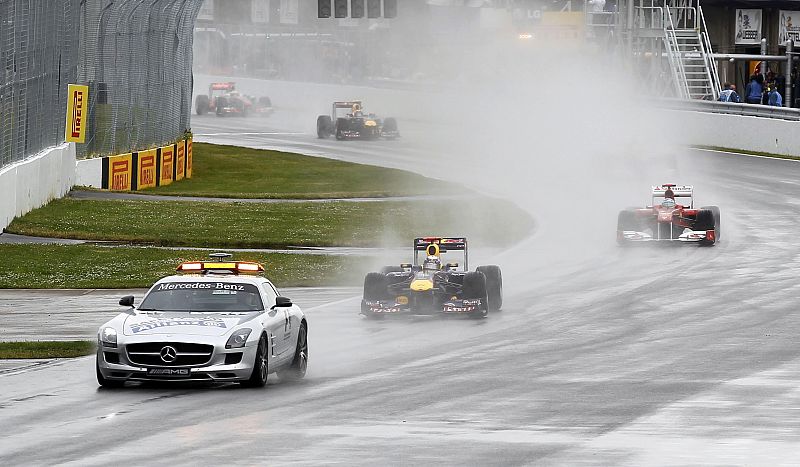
202	297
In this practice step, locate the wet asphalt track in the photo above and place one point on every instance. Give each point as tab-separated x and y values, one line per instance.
603	356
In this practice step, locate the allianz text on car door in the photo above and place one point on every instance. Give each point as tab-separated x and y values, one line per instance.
278	324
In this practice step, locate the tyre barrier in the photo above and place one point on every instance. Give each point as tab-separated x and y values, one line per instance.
140	169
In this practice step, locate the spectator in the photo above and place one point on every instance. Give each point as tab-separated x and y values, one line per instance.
728	94
754	90
774	97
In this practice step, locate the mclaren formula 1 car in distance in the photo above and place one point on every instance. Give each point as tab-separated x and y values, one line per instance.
348	121
671	217
223	99
431	287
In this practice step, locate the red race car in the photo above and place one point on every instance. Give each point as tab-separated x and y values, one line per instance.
223	99
672	217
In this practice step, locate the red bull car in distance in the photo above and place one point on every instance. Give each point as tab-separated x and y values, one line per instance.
349	121
428	286
671	217
214	321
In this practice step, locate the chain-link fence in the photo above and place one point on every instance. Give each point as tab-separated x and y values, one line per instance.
38	58
135	55
137	60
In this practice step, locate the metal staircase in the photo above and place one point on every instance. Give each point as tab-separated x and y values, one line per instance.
689	52
669	41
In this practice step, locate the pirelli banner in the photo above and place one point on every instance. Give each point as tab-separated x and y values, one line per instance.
77	102
148	169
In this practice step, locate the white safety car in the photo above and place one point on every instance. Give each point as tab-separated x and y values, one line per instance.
214	321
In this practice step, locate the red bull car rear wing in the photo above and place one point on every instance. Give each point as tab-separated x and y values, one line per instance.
440	245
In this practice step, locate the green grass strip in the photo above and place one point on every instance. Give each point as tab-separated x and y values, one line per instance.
748	153
275	225
46	349
236	172
27	266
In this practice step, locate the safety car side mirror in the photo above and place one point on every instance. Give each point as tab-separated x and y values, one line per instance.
282	302
126	300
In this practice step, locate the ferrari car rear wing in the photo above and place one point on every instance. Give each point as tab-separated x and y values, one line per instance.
681	191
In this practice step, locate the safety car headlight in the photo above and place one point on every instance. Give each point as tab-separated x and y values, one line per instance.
238	338
108	337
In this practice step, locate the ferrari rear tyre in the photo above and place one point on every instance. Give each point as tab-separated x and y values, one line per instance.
715	211
494	286
297	370
258	378
264	101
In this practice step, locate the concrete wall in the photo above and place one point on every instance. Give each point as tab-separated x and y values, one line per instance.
744	133
90	172
32	183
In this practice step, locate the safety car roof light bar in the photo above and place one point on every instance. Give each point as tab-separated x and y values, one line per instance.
235	267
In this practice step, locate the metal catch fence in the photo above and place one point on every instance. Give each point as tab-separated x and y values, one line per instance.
38	58
135	56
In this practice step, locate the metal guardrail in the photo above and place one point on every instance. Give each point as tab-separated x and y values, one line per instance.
731	108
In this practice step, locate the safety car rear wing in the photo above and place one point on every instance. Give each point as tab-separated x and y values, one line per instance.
443	244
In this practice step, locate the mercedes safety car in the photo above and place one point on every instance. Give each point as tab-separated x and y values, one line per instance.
214	321
429	286
223	99
671	217
348	121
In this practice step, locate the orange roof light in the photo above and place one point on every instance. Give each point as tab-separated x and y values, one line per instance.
234	267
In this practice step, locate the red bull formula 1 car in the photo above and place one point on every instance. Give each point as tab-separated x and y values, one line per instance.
223	99
430	287
672	217
348	121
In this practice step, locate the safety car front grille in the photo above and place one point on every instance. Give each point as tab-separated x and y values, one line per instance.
185	354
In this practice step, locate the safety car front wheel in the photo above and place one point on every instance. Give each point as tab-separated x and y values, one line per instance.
102	380
258	378
297	370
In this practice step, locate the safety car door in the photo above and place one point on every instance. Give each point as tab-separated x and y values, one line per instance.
278	324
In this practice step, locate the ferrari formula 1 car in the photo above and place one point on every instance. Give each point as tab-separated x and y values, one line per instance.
348	121
214	321
223	99
672	217
430	287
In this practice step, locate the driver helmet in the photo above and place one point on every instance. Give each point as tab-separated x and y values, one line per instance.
432	263
668	203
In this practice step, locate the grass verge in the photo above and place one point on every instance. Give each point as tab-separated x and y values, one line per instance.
275	225
236	172
28	266
749	153
46	349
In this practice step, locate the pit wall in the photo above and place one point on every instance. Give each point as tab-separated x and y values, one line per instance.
138	170
35	181
737	132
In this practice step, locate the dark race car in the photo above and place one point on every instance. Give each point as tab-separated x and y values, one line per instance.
223	99
672	217
430	287
348	121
